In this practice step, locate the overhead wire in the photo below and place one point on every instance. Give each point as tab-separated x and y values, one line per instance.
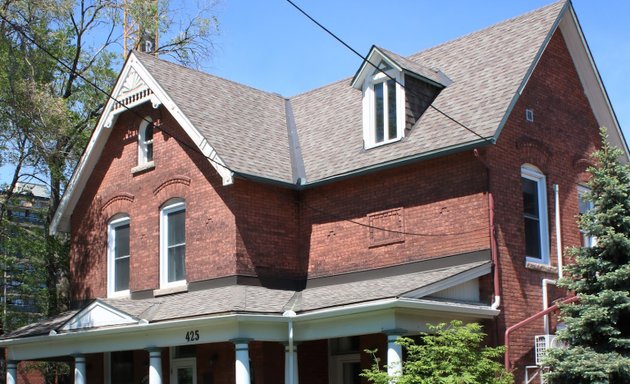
366	60
110	96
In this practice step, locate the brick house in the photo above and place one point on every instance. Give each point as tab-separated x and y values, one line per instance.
223	234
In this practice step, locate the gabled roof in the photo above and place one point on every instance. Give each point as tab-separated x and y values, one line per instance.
317	136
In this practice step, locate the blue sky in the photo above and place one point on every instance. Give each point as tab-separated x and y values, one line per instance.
269	45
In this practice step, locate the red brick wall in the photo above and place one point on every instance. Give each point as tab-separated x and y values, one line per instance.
436	196
563	133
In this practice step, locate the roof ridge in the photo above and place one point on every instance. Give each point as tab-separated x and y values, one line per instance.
484	29
207	74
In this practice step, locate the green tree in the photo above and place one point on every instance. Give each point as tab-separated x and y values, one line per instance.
598	326
448	354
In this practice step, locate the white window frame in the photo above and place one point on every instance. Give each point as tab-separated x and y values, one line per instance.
182	362
369	110
171	206
142	143
587	241
530	172
116	222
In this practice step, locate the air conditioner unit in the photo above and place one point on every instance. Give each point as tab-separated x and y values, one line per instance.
544	342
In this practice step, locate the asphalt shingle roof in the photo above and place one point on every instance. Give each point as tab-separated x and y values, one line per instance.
248	127
261	300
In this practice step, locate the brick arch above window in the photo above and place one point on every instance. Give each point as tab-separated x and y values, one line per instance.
173	187
118	203
534	151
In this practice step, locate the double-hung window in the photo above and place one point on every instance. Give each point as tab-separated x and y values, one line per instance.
534	190
384	108
584	206
118	256
145	141
173	243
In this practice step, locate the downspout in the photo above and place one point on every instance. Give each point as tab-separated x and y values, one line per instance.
494	253
508	365
546	282
493	240
290	315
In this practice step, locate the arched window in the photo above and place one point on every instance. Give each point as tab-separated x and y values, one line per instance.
118	256
534	190
173	243
145	141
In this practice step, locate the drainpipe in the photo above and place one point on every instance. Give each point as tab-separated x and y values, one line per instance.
558	231
494	254
546	282
508	365
290	315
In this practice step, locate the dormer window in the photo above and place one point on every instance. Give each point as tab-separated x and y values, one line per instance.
396	92
145	142
384	108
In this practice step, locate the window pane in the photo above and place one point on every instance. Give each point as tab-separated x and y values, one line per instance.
379	113
176	228
121	280
149	151
176	263
532	238
122	367
148	132
530	198
391	109
584	204
185	375
121	241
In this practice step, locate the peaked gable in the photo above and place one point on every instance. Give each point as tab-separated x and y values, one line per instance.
98	314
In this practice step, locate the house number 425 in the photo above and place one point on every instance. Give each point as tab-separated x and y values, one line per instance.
192	335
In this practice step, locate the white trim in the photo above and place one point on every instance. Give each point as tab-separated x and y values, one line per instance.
174	206
143	144
111	252
81	175
449	282
369	110
182	363
530	172
591	80
98	314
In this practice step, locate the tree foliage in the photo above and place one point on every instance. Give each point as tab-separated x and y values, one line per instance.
48	109
598	326
448	354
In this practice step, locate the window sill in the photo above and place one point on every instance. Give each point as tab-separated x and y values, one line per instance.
119	295
143	167
382	143
170	290
541	267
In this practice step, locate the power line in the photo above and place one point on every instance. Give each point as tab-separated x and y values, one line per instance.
365	60
197	150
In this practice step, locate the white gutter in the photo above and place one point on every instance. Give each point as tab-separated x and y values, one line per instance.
467	309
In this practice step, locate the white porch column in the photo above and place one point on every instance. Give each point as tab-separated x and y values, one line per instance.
11	372
394	352
290	361
79	369
155	366
241	363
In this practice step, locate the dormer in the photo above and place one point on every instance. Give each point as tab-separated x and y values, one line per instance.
396	91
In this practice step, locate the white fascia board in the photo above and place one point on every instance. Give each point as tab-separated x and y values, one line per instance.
367	69
591	80
450	281
81	175
362	317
